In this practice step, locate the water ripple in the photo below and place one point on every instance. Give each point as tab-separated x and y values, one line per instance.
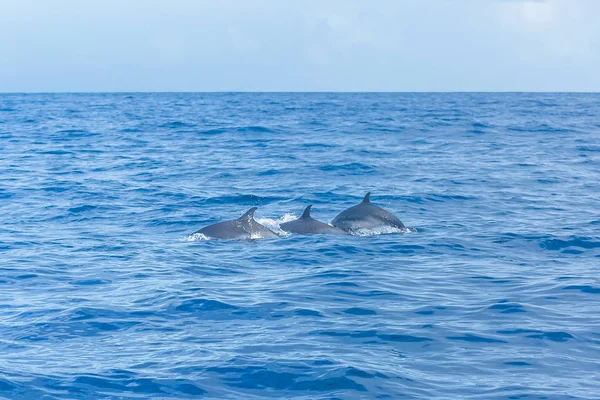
494	294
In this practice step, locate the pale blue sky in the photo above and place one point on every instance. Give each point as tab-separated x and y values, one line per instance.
305	45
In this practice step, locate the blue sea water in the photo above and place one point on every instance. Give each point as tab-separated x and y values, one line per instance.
103	294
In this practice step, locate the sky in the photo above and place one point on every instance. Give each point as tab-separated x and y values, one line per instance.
305	45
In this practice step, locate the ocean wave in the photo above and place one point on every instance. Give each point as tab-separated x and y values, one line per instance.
106	293
573	241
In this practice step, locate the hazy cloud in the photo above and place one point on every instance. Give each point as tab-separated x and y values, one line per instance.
205	45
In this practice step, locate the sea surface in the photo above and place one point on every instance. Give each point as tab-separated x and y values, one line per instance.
106	294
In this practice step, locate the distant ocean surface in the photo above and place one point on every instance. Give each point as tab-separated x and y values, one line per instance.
104	296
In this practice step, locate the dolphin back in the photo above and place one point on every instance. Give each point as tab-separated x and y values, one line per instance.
306	225
245	227
365	215
225	230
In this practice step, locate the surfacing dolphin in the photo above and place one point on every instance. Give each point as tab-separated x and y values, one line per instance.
366	216
306	225
245	227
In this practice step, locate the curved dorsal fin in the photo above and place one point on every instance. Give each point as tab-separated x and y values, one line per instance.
367	199
248	216
306	213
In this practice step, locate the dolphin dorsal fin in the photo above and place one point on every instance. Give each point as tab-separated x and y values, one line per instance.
306	213
367	199
248	216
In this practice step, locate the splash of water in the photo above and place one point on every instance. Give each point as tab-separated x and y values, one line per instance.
196	236
381	230
274	224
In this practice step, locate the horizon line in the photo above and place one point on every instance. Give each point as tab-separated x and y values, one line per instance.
305	92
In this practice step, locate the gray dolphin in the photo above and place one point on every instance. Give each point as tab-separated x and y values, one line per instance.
365	216
245	227
306	225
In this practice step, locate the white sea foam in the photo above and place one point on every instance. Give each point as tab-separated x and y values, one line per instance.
273	224
196	236
381	230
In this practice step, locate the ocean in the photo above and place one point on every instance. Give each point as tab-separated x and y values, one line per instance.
494	294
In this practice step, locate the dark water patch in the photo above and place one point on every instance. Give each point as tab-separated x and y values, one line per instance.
374	334
369	293
507	308
128	384
475	339
351	334
57	331
352	167
336	274
367	152
253	129
538	334
491	279
318	145
538	128
517	363
364	374
452	246
517	331
359	311
584	288
573	241
6	386
553	336
76	133
403	338
323	362
177	125
342	284
263	378
306	312
480	125
572	251
589	148
92	314
479	128
425	312
384	129
26	276
57	152
72	131
447	197
56	189
214	131
81	209
195	305
90	282
272	172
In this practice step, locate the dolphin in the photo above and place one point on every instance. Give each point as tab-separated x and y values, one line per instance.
245	227
306	225
365	216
